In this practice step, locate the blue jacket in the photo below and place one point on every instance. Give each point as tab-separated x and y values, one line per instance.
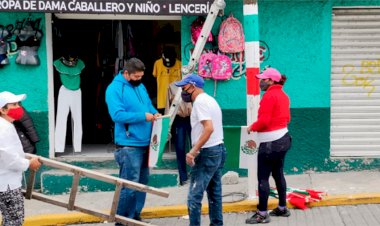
127	106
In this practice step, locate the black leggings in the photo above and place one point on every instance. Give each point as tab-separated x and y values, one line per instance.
271	159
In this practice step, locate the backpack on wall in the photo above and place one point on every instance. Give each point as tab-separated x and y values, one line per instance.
231	37
221	67
215	66
196	29
205	65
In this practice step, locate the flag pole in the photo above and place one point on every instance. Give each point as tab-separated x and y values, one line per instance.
252	60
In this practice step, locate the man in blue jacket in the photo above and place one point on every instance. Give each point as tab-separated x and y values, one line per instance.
132	111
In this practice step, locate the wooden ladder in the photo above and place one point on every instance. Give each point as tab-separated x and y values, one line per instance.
81	172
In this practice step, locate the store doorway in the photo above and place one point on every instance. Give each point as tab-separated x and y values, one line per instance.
94	42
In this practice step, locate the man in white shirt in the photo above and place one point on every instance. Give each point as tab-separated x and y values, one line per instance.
208	153
12	160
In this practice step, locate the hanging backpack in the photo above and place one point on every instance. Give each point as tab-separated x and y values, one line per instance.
231	37
221	67
205	65
215	66
196	29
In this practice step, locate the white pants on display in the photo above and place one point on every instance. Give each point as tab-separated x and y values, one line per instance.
69	101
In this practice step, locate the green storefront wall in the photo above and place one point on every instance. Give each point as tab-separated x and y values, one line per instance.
32	80
298	39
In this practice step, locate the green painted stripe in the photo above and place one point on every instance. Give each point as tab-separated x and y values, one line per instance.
251	28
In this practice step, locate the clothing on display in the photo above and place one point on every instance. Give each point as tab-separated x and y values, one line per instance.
165	75
69	100
4	35
28	40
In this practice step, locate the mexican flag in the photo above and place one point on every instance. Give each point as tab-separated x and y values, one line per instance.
300	197
248	149
158	139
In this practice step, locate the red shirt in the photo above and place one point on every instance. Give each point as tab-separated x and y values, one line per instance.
274	110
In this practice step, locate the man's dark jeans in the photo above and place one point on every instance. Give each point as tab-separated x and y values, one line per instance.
206	175
133	163
271	159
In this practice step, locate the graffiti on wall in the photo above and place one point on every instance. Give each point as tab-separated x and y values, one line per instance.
361	77
264	51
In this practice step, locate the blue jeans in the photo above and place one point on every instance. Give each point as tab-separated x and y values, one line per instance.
133	163
270	159
182	141
206	175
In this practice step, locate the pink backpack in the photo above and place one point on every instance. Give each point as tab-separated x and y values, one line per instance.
215	66
196	28
221	67
231	37
205	65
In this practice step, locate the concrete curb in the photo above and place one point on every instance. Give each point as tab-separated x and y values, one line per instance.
181	210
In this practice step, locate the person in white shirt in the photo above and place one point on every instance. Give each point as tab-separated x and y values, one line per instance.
208	153
12	161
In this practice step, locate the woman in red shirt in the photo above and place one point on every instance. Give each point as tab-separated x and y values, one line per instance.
275	141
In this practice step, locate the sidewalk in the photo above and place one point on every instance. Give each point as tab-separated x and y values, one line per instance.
362	187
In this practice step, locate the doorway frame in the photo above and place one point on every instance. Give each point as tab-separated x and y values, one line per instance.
49	56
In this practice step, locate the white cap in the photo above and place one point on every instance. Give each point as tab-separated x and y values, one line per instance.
8	97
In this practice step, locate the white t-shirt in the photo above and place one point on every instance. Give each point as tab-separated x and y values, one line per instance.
12	157
206	108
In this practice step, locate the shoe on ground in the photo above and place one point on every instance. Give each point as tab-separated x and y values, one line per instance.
258	219
182	183
280	213
142	220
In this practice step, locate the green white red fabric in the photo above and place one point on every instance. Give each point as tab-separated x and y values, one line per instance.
248	148
158	139
300	197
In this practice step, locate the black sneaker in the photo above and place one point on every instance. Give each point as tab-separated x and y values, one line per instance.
182	183
280	213
258	219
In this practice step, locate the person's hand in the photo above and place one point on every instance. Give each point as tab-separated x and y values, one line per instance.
149	117
249	129
191	156
34	163
190	159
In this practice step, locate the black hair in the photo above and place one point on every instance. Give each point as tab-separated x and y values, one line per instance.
282	80
134	65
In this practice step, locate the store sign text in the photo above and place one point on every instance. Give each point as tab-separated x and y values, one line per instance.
158	7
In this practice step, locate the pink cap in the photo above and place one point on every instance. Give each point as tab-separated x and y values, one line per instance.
270	73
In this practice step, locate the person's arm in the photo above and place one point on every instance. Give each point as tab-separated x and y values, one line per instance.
10	160
264	114
117	110
208	129
27	122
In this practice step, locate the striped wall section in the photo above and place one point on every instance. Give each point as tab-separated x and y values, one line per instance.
252	61
252	57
